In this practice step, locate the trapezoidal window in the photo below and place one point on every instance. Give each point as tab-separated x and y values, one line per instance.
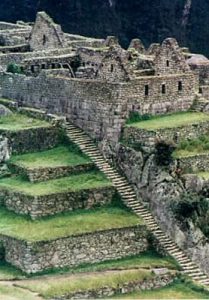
180	86
163	89
167	63
44	39
146	90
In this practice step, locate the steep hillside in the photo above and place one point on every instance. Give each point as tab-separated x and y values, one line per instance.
150	20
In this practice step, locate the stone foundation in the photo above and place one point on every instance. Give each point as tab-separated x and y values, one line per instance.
40	206
133	135
129	287
195	163
33	139
44	174
33	257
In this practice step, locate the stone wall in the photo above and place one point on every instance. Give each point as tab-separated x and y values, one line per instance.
133	135
33	139
33	257
51	204
46	34
156	102
199	162
100	108
125	288
158	188
47	173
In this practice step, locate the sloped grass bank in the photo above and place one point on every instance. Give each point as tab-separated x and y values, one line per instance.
88	180
64	225
176	290
171	121
56	157
15	122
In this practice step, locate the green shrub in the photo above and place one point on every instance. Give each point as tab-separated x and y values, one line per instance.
164	151
14	68
137	117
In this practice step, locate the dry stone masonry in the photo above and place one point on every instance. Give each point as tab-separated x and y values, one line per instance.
97	85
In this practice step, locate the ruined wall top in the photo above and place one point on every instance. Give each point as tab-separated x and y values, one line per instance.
170	58
46	34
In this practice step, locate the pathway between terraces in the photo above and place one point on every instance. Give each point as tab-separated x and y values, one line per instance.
129	197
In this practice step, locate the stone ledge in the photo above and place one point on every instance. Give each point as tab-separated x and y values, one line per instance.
128	287
33	257
194	163
44	174
132	135
46	205
32	139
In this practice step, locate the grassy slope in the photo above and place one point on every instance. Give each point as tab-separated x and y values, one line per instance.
17	122
171	121
87	180
52	287
176	290
68	224
193	147
59	156
8	292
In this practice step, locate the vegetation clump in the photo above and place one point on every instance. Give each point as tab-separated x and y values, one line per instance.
15	69
193	147
164	151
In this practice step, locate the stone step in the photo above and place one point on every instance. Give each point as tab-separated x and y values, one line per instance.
130	199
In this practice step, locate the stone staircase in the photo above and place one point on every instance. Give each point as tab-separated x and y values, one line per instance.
129	197
199	104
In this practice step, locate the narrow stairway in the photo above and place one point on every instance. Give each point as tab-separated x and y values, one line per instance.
129	197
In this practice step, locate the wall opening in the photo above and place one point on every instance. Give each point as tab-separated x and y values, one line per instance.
146	90
167	63
112	68
44	39
180	86
32	68
43	66
163	89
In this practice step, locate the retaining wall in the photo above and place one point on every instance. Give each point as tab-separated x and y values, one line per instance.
33	257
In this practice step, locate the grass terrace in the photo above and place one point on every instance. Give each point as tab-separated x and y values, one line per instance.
53	287
73	183
176	290
15	122
56	157
193	147
66	224
204	175
170	121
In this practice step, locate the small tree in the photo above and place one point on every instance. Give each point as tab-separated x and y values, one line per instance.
14	68
164	152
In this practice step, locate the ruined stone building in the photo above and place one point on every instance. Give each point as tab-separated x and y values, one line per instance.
97	85
94	81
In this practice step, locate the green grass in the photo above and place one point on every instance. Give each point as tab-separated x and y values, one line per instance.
9	292
15	122
192	147
73	183
8	272
52	287
66	224
56	157
171	121
176	290
204	175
